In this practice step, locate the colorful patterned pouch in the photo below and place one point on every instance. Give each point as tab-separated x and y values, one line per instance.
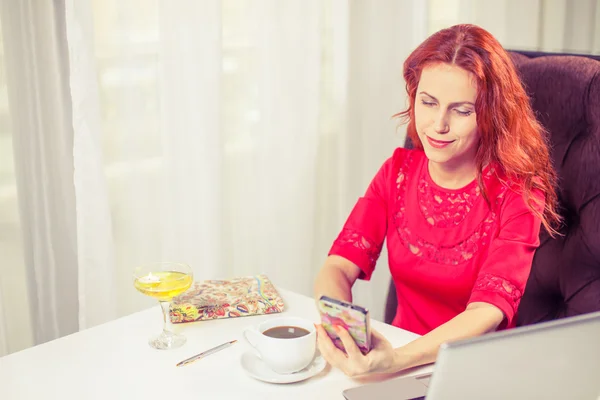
238	297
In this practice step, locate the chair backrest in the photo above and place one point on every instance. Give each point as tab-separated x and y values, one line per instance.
565	276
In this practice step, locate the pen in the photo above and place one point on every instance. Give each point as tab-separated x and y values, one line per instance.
205	353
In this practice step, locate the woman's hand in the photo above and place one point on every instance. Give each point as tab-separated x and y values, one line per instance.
353	363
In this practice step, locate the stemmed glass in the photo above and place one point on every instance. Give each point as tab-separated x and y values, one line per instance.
163	281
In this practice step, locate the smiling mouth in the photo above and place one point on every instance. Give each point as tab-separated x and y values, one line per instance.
439	144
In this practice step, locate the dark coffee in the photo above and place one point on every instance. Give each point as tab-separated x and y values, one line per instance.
286	332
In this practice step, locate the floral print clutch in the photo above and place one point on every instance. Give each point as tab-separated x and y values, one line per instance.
238	297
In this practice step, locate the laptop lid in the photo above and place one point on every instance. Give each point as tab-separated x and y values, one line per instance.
551	360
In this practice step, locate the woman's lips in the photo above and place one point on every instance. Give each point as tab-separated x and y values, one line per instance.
439	144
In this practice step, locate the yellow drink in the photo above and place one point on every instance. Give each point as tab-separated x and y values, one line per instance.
163	285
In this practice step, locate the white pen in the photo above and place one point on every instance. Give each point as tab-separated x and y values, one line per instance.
205	353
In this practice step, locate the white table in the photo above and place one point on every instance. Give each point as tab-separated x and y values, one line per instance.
114	361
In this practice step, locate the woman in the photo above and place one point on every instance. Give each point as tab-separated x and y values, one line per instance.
461	213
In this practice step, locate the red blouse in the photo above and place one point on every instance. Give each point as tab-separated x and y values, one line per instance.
446	248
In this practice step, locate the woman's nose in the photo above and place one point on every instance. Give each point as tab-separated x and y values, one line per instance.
441	124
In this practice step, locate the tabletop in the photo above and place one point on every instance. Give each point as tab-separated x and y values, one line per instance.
114	361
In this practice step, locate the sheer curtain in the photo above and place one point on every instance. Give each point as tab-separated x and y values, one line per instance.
232	135
210	121
12	268
38	100
239	134
561	26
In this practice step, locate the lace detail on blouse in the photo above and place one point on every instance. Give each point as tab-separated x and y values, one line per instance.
353	238
448	255
445	209
503	287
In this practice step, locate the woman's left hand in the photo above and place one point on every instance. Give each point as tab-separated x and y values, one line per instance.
353	363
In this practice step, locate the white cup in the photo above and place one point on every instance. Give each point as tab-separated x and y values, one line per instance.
284	356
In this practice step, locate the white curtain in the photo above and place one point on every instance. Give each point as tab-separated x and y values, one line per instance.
36	73
238	135
96	283
562	26
232	135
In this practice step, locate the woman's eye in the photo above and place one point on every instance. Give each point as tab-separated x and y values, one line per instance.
427	103
463	113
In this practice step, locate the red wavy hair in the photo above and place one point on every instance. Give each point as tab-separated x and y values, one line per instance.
511	136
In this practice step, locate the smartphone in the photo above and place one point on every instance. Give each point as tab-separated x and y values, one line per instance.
355	319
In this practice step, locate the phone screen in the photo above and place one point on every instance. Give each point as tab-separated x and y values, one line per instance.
354	318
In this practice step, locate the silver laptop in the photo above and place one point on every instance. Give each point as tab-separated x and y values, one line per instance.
550	360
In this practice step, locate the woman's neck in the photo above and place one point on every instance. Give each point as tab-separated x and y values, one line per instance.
452	176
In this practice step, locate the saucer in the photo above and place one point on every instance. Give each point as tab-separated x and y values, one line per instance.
256	368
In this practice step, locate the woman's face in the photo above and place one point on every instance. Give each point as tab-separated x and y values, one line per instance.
445	115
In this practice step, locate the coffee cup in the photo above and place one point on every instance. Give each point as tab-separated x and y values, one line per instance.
285	344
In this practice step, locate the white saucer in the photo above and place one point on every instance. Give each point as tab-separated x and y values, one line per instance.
256	368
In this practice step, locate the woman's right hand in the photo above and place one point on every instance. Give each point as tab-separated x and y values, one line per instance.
381	359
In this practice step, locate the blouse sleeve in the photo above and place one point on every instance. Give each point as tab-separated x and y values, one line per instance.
503	275
363	234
